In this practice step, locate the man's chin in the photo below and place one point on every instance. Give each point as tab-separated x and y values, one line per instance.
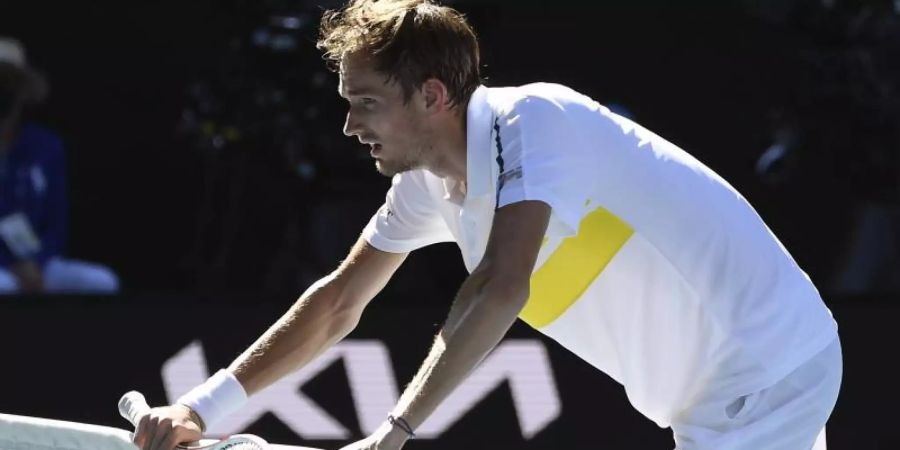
389	170
384	169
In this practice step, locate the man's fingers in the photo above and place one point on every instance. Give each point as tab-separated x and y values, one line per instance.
164	429
182	435
170	442
162	434
140	431
150	432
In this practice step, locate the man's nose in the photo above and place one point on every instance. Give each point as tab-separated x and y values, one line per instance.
351	126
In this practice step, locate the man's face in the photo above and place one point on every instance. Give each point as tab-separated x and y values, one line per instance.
396	132
12	96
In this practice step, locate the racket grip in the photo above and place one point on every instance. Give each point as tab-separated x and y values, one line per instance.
132	406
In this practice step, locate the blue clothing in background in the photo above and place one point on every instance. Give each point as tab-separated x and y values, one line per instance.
32	182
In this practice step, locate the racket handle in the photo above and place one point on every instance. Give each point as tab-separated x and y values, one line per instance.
132	406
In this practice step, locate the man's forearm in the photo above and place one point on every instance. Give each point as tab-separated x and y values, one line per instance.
479	318
314	323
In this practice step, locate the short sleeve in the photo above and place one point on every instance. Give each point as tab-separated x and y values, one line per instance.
542	157
409	219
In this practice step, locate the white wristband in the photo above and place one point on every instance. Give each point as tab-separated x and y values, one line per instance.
217	397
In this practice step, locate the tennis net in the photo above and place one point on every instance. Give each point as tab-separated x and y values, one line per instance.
32	433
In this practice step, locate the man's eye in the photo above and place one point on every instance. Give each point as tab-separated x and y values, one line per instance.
367	101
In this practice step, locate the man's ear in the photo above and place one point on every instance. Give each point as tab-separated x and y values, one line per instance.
435	94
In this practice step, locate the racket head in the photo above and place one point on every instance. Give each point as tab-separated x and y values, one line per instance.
235	442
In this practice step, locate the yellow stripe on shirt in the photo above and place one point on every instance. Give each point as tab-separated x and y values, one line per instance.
578	260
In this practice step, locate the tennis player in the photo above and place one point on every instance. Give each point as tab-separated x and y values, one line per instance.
597	232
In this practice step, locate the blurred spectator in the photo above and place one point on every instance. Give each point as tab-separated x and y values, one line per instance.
33	207
864	40
847	112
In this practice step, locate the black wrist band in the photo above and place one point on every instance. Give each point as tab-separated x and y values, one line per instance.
402	424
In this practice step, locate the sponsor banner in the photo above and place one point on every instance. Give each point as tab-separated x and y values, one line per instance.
71	359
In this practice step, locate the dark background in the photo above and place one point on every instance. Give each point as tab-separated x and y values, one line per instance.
211	173
141	92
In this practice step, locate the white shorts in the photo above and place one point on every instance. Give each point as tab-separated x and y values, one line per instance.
789	415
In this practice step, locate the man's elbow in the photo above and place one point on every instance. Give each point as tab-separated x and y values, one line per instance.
344	322
509	292
332	305
346	312
342	319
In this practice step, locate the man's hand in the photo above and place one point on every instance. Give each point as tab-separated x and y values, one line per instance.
29	276
166	427
386	437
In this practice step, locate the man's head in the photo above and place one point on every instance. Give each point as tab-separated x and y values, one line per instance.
20	85
408	68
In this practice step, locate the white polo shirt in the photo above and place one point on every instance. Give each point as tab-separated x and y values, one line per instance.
654	269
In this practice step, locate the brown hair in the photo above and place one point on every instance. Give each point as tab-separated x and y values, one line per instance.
410	41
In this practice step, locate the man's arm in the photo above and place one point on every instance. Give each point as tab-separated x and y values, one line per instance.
323	315
485	308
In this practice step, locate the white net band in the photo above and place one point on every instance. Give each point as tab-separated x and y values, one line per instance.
30	433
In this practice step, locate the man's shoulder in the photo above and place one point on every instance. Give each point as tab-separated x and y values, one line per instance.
534	97
548	109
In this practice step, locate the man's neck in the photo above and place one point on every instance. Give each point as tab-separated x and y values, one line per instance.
452	159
